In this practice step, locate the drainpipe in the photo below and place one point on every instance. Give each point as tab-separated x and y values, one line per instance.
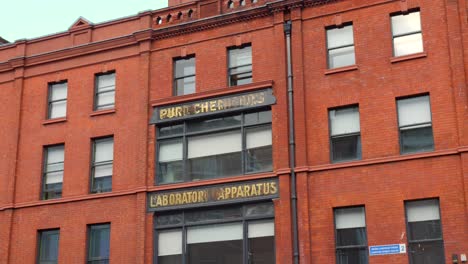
292	144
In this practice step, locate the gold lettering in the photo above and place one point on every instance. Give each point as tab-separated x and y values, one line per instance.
184	198
228	193
220	194
234	192
266	188
171	199
274	188
213	106
220	105
259	186
240	192
247	191
178	111
204	107
154	201
178	197
254	190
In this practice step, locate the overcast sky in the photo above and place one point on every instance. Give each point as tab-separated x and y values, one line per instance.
21	19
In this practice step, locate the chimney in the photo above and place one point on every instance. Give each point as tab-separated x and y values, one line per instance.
178	2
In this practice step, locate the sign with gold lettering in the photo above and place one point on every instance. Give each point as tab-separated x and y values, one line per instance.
209	106
213	195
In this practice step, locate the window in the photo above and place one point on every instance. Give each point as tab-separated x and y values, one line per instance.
240	65
340	46
57	102
48	246
230	4
53	172
345	134
350	235
102	165
98	244
407	36
425	243
415	124
234	235
184	76
105	91
214	148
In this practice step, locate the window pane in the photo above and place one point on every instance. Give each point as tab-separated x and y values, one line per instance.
351	237
259	150
344	121
426	253
102	184
185	85
261	242
423	210
170	150
352	217
257	117
424	230
414	110
184	67
416	140
171	172
403	24
99	237
208	145
105	100
58	109
220	243
346	148
54	177
49	246
341	57
103	170
338	37
106	82
55	154
263	209
214	123
52	191
58	91
407	45
171	130
169	219
351	256
241	56
104	150
213	214
170	243
215	166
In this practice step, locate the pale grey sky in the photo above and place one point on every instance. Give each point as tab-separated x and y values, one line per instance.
21	19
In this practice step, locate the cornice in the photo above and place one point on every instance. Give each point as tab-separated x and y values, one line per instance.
211	22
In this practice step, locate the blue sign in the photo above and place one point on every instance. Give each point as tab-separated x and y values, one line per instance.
387	249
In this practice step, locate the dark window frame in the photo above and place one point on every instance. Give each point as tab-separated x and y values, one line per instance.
40	234
400	140
94	164
90	227
339	47
96	107
441	239
245	220
358	134
185	135
45	155
229	68
50	87
413	10
175	78
337	248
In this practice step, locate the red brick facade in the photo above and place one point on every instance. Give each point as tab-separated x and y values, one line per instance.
140	49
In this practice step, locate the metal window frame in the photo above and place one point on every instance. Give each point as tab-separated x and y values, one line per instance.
229	68
413	10
359	157
424	240
89	228
409	127
45	157
50	87
245	220
94	164
97	93
40	233
185	135
346	24
366	246
174	70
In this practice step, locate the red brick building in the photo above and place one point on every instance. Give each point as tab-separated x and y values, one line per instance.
245	131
